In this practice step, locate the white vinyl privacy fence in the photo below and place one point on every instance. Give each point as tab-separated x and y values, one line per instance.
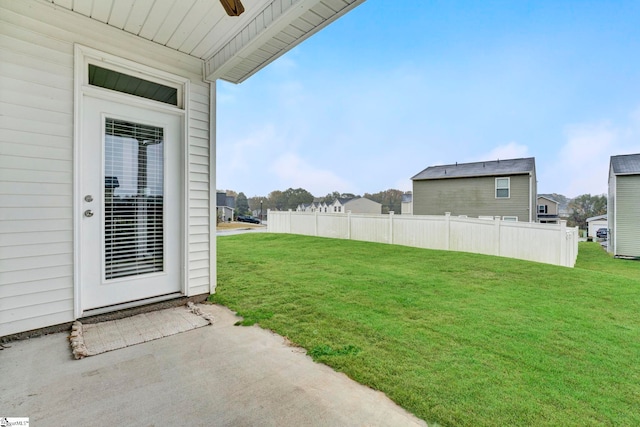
548	243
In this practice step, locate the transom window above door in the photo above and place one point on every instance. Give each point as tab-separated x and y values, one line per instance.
124	83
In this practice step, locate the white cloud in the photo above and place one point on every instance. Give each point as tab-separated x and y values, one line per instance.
584	159
284	64
586	156
294	172
291	94
511	150
404	185
582	163
243	152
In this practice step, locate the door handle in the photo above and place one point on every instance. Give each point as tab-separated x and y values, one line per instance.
88	213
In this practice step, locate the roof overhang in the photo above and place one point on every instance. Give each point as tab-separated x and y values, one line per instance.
271	34
486	175
506	167
232	48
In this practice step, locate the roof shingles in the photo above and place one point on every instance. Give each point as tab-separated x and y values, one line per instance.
491	168
628	164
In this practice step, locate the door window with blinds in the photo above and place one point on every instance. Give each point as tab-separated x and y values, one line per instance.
134	192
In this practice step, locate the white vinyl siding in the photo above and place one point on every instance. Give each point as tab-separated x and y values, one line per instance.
199	275
36	179
36	164
611	212
628	215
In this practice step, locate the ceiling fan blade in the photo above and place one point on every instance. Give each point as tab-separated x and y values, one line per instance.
232	7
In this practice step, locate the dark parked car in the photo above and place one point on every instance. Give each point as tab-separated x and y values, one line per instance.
248	218
602	233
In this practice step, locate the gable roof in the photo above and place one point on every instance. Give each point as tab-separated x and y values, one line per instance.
549	199
223	200
353	199
345	200
596	218
627	164
491	168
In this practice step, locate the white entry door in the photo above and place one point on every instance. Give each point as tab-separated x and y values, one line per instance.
130	207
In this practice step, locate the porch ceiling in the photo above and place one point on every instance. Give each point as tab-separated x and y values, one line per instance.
232	48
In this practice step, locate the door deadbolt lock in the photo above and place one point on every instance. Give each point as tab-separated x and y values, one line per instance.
88	213
88	198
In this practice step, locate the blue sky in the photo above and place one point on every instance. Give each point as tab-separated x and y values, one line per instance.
394	87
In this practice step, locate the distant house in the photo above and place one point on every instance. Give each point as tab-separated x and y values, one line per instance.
360	205
547	210
406	206
623	205
343	205
504	188
315	206
596	222
225	205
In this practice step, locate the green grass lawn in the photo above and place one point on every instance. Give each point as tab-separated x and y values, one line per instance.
455	338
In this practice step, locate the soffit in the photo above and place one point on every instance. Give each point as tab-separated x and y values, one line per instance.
232	48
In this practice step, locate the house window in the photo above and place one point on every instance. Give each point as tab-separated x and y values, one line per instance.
502	188
510	218
542	209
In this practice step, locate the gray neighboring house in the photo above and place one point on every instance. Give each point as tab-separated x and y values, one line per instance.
356	205
406	206
226	205
623	205
504	188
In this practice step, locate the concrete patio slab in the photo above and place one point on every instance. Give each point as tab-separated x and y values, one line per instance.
221	375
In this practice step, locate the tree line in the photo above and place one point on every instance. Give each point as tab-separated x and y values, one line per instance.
585	206
580	208
291	198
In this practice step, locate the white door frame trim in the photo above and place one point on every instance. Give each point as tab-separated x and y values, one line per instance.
83	56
